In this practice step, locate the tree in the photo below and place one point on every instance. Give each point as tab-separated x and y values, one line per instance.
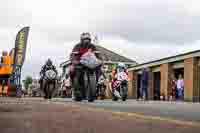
28	81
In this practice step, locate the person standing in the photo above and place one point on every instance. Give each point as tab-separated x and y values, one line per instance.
180	87
172	88
144	84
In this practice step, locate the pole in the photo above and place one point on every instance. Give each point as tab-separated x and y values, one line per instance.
20	75
19	81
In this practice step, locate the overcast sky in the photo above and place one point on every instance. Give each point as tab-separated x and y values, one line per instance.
142	30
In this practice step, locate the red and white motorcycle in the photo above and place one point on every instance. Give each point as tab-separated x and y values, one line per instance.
120	87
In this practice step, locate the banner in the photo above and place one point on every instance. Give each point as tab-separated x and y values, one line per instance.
20	46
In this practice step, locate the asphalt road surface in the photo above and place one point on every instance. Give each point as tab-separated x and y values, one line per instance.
63	115
172	110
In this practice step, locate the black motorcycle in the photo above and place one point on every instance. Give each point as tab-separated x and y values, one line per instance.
49	83
120	89
89	78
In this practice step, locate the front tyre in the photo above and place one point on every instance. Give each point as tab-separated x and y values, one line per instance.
124	98
92	88
124	91
114	98
76	90
50	90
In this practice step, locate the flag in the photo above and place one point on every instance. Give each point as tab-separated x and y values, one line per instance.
20	46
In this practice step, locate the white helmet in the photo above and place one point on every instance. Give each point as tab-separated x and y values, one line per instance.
120	64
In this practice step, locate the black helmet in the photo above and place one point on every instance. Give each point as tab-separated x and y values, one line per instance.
85	36
49	62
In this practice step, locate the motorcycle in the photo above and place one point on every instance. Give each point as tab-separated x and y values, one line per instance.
50	82
101	87
120	87
90	64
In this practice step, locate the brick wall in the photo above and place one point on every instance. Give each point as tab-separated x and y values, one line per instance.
190	80
164	79
150	86
134	85
130	85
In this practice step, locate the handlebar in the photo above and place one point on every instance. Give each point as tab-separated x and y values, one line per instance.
96	52
75	52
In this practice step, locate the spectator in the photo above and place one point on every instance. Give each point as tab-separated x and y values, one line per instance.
180	87
172	88
144	84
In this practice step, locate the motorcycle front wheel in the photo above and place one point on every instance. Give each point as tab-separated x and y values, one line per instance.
114	98
124	93
76	93
124	98
50	90
92	88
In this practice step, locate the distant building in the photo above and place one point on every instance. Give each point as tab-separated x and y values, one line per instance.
110	60
187	65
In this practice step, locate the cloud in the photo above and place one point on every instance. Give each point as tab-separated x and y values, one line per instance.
169	21
130	27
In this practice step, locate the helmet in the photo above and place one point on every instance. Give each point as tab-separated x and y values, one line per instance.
49	62
122	65
85	35
4	53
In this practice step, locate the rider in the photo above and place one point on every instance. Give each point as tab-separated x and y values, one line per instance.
81	48
48	66
120	68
